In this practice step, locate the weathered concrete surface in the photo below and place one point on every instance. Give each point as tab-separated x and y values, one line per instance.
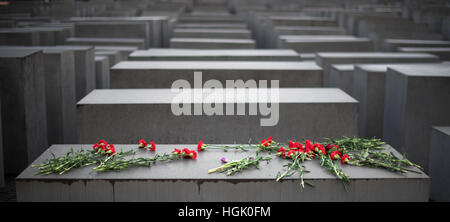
84	69
124	51
102	72
164	182
325	60
341	76
208	19
212	33
391	45
215	55
208	43
24	122
212	26
302	21
2	162
114	29
133	42
416	99
442	52
162	74
378	37
19	37
113	56
438	165
310	112
323	43
309	30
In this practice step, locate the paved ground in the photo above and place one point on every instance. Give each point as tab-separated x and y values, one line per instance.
8	193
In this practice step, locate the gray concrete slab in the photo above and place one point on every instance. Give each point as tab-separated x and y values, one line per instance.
215	55
114	29
325	60
211	26
164	182
311	112
208	43
59	69
302	21
446	27
313	44
24	123
309	30
379	37
212	33
341	76
161	74
416	99
133	42
84	69
124	51
442	52
210	19
438	165
19	37
391	45
113	56
102	72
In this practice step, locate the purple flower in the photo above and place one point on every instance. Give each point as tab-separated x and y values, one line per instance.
224	160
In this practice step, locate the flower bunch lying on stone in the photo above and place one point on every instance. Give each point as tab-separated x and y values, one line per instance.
185	153
104	148
143	144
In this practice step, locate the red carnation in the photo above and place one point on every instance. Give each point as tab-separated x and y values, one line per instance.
176	151
335	155
193	154
282	151
111	149
344	159
100	145
292	144
152	146
330	146
201	146
290	153
142	143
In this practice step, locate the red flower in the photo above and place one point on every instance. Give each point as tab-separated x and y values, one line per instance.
335	155
176	151
100	145
201	146
152	146
266	142
331	147
290	153
185	150
142	143
322	150
269	139
111	149
282	151
300	146
292	144
193	154
344	159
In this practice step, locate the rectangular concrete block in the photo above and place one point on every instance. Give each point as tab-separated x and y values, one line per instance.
84	69
2	162
438	165
309	30
102	72
341	76
24	122
210	19
114	29
416	99
19	37
165	182
59	69
133	42
442	52
325	60
124	51
208	43
379	37
216	33
211	26
215	55
391	45
113	56
323	43
310	112
302	21
156	74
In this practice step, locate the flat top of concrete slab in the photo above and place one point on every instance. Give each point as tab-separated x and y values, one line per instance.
112	40
196	30
343	67
294	39
119	18
117	48
208	40
334	28
100	58
216	65
423	70
17	53
414	41
444	129
213	52
109	23
383	67
165	96
301	18
424	49
218	25
374	55
109	52
44	49
76	48
198	168
320	37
